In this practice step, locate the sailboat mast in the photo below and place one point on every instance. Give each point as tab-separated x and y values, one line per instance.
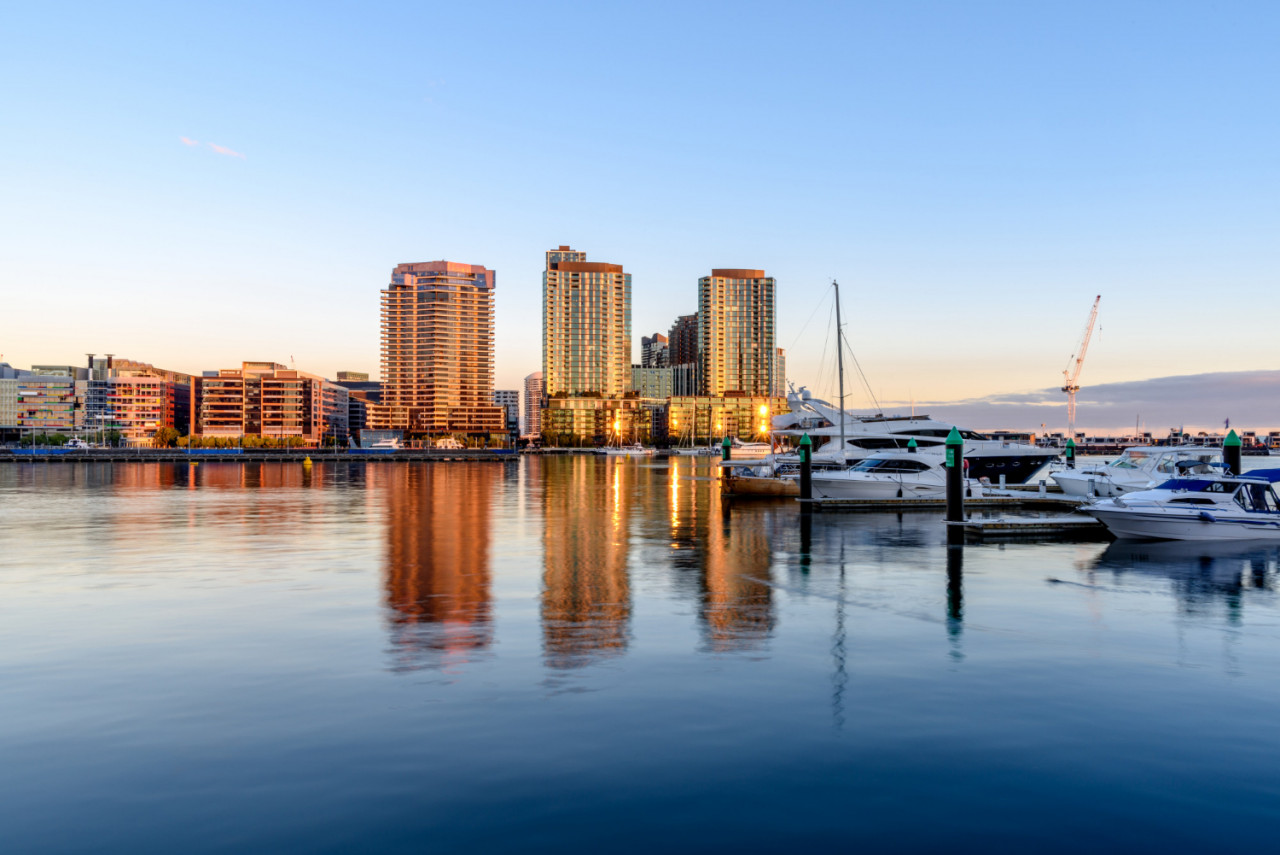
840	364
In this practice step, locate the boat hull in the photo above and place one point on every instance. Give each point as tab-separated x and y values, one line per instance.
1016	469
765	486
867	489
1161	525
1083	483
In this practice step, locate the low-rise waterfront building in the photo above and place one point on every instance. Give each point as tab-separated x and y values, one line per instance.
711	418
582	421
139	405
46	404
363	395
268	400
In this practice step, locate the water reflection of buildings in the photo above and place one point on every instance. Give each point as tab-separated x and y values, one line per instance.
437	572
730	557
586	598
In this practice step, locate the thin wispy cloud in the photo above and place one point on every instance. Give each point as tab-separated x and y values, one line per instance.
189	141
222	149
1249	398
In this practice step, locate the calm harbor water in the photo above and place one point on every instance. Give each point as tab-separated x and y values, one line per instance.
589	654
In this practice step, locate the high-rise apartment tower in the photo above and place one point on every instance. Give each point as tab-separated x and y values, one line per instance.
586	326
534	401
736	332
437	350
682	342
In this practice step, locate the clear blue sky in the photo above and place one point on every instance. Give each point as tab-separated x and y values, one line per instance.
972	173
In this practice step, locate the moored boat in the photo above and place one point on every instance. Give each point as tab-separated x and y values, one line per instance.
1208	507
1140	467
635	449
860	437
889	475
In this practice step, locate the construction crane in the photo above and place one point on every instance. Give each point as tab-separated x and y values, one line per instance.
1072	372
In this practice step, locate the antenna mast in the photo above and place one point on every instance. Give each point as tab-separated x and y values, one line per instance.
840	364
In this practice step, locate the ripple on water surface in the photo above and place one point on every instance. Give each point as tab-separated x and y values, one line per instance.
591	653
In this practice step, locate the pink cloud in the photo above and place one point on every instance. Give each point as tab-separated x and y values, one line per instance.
221	149
189	141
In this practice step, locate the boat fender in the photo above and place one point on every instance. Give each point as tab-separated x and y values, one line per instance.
1207	517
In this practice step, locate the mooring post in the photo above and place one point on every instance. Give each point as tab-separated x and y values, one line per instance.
1231	452
955	487
725	448
1070	453
806	473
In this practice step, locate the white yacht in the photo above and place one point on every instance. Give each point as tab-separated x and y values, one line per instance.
388	444
889	475
635	449
1017	462
739	450
1197	508
1138	468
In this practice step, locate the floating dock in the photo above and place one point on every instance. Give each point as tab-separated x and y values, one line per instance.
987	502
1075	526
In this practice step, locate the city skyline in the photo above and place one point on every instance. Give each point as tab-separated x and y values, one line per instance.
976	178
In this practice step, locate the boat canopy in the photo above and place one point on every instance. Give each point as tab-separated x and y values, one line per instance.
1199	485
1220	485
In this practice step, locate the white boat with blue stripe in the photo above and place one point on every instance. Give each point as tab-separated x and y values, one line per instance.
1232	507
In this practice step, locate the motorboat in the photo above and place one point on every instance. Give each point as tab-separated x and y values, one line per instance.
1140	467
388	444
449	443
1207	507
889	475
993	459
635	449
749	450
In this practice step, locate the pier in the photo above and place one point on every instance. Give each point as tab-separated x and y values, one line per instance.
1076	527
1031	501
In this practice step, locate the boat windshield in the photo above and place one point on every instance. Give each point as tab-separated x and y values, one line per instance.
1257	498
1188	463
1129	460
890	466
945	432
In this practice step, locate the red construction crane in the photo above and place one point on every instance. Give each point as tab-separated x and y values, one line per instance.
1072	372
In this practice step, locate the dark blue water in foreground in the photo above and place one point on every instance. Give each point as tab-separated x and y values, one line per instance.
597	655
